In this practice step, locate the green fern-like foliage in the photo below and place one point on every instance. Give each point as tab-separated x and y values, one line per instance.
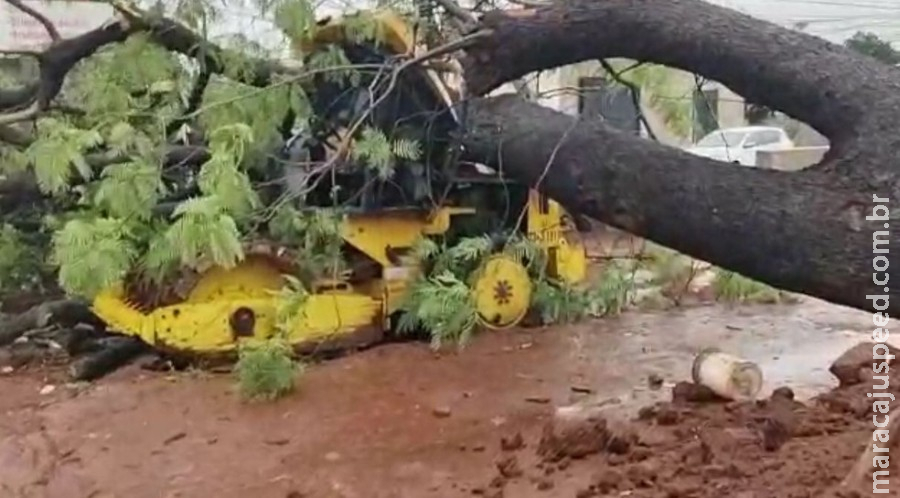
529	253
317	237
461	258
229	105
92	254
20	263
382	154
129	190
659	84
195	13
615	288
444	306
441	300
58	151
442	303
734	287
123	82
221	176
266	371
333	64
295	18
291	300
204	231
558	302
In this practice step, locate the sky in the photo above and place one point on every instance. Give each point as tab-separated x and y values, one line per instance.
834	20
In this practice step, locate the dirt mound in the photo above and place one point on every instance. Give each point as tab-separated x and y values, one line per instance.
699	446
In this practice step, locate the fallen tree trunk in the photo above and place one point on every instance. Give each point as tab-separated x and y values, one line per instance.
790	230
802	231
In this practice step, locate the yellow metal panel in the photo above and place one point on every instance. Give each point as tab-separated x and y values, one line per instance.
373	233
395	31
502	291
546	228
204	327
572	261
395	289
255	276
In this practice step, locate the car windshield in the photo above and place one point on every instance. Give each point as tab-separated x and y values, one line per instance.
722	139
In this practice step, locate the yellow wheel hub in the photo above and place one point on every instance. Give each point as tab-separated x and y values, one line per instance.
502	292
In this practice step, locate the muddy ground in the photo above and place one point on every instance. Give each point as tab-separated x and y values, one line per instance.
401	421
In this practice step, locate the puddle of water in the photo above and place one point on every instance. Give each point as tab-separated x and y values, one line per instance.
794	345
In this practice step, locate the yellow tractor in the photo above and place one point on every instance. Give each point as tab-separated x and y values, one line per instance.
224	306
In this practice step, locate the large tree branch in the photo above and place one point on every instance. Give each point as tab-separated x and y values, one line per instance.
846	97
798	231
55	63
803	231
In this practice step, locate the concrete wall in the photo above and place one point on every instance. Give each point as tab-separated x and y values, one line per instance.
790	160
558	89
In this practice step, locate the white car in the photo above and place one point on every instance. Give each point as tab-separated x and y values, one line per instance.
739	145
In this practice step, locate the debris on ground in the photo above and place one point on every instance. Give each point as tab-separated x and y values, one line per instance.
441	411
727	376
855	365
700	445
574	432
691	444
655	381
512	443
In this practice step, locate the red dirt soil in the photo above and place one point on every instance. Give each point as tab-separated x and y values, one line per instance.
399	421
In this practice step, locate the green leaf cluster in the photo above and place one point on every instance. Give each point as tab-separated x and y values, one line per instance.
20	262
317	236
382	154
266	371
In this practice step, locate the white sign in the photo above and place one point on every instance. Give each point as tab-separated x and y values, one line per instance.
21	32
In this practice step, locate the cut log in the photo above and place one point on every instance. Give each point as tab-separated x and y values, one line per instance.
117	351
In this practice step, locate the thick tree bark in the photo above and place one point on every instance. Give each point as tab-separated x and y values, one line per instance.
117	351
847	97
803	231
791	230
